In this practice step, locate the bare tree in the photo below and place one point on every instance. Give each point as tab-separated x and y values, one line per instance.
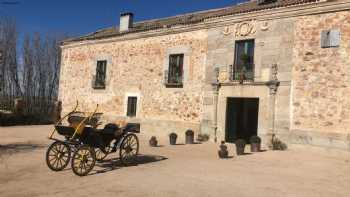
9	67
35	77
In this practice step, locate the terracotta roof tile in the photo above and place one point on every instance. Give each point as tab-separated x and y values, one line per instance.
190	18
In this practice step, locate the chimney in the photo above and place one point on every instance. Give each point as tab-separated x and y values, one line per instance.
126	21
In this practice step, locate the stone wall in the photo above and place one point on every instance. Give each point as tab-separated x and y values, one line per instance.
273	45
321	82
311	104
136	67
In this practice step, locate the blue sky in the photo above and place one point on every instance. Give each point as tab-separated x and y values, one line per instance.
77	17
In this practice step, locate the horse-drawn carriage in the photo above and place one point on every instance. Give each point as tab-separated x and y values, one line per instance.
84	144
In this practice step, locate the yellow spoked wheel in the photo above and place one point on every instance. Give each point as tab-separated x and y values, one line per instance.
58	156
129	149
83	160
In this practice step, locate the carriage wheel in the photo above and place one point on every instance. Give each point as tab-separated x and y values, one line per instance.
58	156
83	160
129	149
100	156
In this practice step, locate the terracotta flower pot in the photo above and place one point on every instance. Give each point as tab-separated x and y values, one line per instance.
153	142
240	146
255	144
189	137
255	147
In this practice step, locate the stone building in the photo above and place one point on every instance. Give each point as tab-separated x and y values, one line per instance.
257	68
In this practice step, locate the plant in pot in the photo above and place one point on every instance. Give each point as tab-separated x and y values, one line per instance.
172	138
245	60
203	137
240	146
223	153
277	144
255	144
153	142
189	137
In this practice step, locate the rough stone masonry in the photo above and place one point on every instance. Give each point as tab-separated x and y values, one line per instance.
300	85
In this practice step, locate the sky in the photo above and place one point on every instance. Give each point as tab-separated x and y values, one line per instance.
78	17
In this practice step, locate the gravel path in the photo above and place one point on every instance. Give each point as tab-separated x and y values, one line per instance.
183	170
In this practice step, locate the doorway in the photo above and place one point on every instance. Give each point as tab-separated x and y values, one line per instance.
241	118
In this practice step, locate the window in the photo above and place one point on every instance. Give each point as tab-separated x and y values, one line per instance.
330	38
100	77
243	68
175	73
132	106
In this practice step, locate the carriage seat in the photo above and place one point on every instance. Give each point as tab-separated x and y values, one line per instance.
112	129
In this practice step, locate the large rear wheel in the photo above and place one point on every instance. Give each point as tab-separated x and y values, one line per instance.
129	149
58	156
83	160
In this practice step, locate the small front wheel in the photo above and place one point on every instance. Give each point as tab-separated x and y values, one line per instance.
83	160
129	149
58	156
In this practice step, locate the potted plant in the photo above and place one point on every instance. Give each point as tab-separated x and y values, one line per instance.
153	141
240	146
189	137
223	153
255	144
172	138
277	144
245	60
203	137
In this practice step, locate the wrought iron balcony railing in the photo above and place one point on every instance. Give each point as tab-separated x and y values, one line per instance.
242	74
172	80
98	83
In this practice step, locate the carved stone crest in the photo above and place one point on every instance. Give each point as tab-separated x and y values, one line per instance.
241	29
245	29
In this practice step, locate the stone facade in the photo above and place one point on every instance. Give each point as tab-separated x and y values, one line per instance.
136	68
303	89
321	76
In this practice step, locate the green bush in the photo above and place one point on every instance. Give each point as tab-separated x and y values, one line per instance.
203	137
240	143
255	140
277	144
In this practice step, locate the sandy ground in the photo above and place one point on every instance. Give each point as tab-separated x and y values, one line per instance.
183	170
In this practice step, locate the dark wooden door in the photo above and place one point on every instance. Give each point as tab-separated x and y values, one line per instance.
241	118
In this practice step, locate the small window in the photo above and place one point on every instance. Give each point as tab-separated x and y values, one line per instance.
175	73
330	38
243	68
132	106
100	77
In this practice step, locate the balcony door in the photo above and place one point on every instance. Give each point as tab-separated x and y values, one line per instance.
244	60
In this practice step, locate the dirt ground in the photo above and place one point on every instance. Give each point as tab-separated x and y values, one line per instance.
182	170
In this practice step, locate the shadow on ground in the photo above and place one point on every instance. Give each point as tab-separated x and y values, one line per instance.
114	164
20	147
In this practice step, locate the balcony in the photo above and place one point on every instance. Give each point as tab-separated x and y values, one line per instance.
98	84
173	80
242	74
